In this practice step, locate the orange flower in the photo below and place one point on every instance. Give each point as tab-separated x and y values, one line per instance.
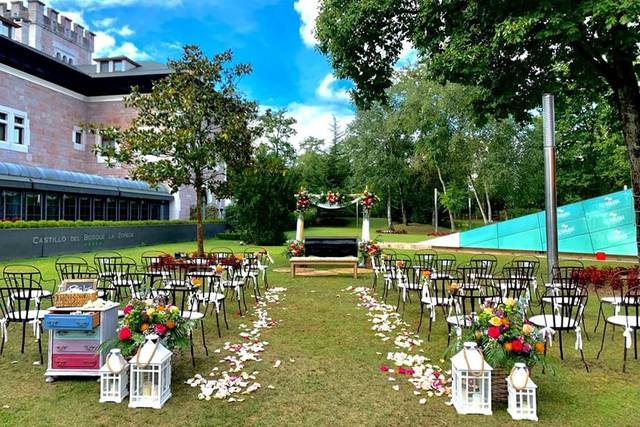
171	324
508	347
540	347
426	274
505	321
219	268
161	308
144	327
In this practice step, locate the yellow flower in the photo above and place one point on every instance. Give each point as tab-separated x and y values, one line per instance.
150	311
175	310
488	310
510	302
495	321
527	329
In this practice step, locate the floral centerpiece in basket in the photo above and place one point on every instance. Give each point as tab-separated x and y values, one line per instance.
505	337
295	248
151	316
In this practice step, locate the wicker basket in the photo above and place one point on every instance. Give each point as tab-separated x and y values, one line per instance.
499	392
74	299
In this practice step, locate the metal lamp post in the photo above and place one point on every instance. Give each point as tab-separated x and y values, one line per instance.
551	203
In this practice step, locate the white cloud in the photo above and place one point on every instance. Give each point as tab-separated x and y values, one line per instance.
105	46
326	91
105	23
102	4
125	31
308	11
75	16
314	120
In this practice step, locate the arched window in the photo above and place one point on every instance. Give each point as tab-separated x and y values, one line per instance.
58	55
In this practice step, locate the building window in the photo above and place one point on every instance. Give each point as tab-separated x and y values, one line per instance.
98	209
34	206
78	138
118	65
58	56
135	210
123	214
84	204
70	61
53	207
104	67
68	207
112	210
12	205
104	143
4	127
14	130
144	210
5	30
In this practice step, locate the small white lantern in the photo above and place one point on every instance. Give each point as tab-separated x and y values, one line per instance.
522	394
150	375
471	381
114	378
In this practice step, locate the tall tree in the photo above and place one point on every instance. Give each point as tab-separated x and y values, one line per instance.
516	50
278	130
311	144
191	128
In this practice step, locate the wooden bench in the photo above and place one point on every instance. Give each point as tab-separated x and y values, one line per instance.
351	261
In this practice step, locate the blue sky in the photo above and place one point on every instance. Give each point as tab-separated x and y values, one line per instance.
274	36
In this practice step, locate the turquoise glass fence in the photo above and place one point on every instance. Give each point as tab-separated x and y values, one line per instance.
603	224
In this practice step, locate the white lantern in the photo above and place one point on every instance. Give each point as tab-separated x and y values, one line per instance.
114	378
150	375
522	394
471	381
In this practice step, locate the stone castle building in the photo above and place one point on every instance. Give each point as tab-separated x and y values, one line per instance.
49	85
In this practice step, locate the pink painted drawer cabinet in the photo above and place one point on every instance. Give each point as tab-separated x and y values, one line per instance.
74	352
76	361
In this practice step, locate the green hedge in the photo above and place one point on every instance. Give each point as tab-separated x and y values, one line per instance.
60	224
229	236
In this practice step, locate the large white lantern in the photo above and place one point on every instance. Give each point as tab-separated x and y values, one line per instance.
150	375
114	378
471	378
522	394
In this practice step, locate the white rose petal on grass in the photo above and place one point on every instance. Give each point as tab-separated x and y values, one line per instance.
278	363
422	401
270	387
417	393
396	387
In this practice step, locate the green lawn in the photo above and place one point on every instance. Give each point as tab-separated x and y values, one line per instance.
415	232
335	379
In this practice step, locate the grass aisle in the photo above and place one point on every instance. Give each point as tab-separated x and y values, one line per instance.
333	380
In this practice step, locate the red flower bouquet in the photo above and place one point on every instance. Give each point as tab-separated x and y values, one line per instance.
295	248
504	336
150	317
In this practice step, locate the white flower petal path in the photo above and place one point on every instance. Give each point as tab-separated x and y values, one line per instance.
424	376
234	382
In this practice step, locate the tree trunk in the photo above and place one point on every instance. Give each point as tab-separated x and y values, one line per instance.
402	209
444	190
389	222
199	224
628	97
489	213
475	193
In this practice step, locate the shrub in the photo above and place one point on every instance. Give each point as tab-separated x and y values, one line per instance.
75	224
229	235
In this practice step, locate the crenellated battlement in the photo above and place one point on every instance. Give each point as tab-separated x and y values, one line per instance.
35	12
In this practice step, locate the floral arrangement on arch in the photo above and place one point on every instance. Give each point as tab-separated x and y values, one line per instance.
504	336
303	200
370	248
151	316
295	248
332	198
368	199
